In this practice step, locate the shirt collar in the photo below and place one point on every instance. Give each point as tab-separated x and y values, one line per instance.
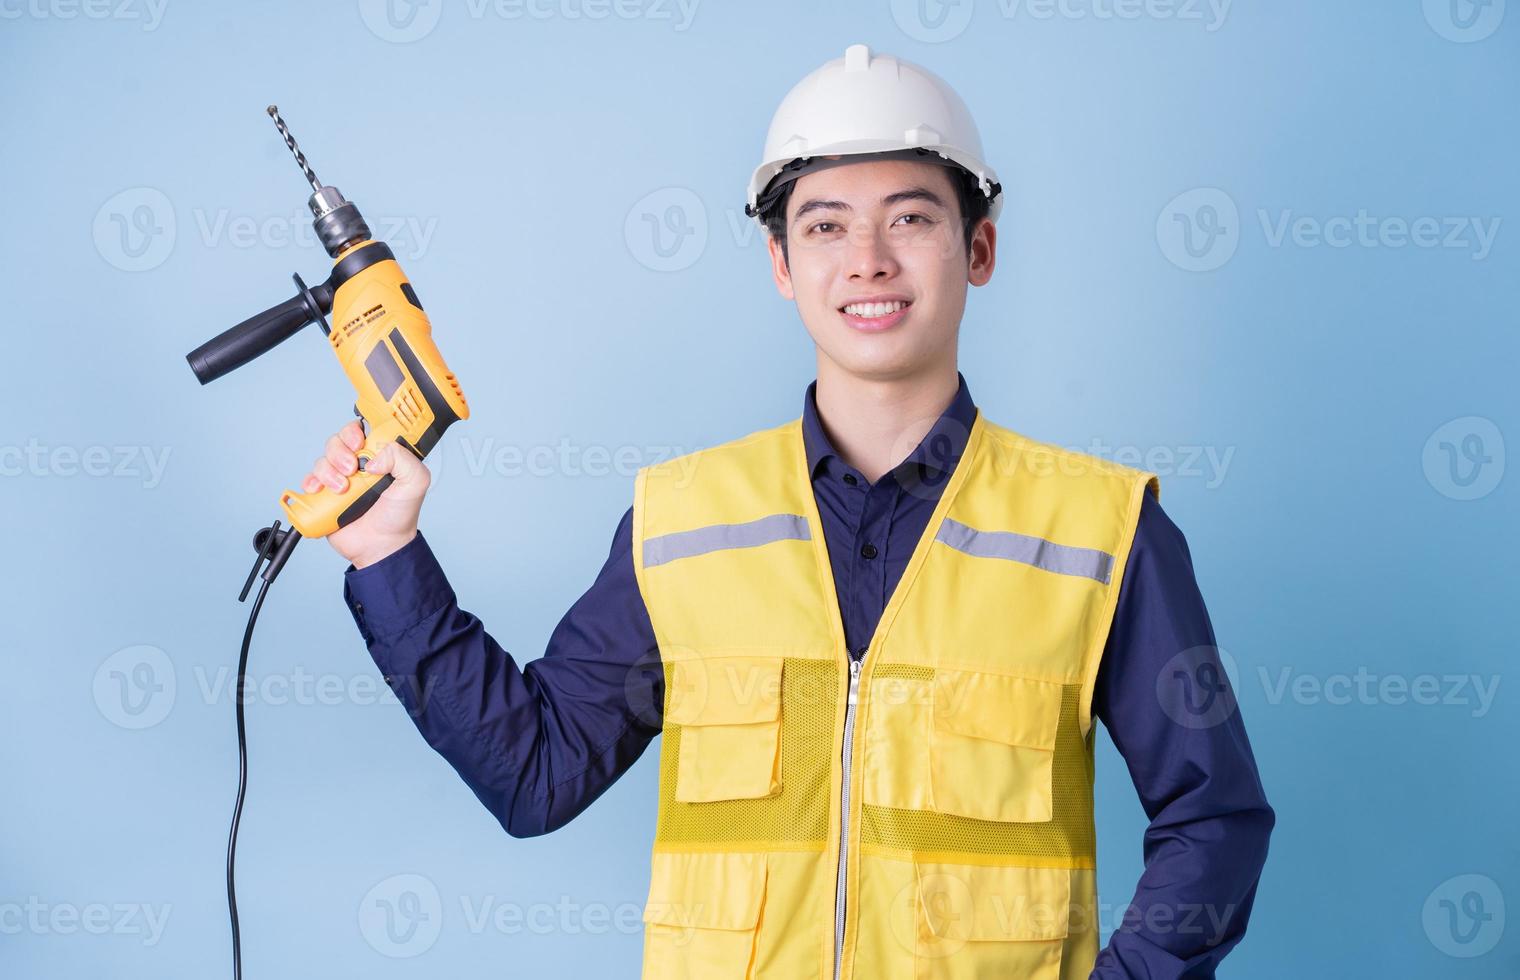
938	451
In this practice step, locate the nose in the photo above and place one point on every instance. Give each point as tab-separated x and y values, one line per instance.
870	253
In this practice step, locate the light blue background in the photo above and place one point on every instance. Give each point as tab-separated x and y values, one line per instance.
529	146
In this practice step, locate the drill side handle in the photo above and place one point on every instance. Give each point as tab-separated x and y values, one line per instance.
233	348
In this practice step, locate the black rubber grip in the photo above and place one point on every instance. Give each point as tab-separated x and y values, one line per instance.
233	348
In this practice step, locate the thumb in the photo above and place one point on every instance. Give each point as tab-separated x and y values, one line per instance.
397	461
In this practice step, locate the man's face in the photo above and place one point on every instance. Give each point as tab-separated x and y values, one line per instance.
880	231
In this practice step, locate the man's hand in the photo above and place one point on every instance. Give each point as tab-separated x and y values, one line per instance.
392	521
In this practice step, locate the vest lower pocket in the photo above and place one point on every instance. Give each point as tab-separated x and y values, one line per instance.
729	710
703	913
992	745
987	921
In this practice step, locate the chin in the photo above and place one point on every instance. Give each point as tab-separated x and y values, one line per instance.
876	361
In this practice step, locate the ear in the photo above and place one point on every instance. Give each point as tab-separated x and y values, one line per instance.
983	253
779	270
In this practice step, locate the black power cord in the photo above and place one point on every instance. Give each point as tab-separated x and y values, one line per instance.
274	545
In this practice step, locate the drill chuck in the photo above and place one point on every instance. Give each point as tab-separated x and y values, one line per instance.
337	222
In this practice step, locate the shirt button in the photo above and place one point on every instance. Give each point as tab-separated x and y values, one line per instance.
358	607
850	479
868	551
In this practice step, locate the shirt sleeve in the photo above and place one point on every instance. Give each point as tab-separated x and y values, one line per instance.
1163	694
536	744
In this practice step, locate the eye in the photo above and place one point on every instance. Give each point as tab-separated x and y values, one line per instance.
820	226
921	218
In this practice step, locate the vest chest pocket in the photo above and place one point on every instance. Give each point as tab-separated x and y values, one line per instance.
729	710
703	915
974	921
992	744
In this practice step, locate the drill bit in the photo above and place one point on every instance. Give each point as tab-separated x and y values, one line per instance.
290	141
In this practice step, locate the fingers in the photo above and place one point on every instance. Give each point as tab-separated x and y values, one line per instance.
324	474
352	435
400	463
340	456
338	460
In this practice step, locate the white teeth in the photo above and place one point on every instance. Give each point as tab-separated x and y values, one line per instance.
874	309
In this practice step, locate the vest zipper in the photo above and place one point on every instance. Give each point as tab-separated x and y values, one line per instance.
844	814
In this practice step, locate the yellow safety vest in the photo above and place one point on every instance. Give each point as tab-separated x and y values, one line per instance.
925	812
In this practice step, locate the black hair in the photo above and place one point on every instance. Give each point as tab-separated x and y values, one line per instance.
973	203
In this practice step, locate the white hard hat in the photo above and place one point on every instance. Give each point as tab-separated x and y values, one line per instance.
871	104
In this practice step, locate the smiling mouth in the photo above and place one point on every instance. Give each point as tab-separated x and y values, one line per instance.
874	310
874	316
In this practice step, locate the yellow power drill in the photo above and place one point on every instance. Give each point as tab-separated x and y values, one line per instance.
403	392
381	337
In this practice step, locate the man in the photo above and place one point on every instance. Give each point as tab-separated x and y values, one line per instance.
881	630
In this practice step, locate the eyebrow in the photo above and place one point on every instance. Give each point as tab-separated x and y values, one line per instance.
908	194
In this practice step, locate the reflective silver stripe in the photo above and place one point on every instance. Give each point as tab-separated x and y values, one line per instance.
718	537
1063	559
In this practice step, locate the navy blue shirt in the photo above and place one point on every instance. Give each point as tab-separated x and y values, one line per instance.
537	744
